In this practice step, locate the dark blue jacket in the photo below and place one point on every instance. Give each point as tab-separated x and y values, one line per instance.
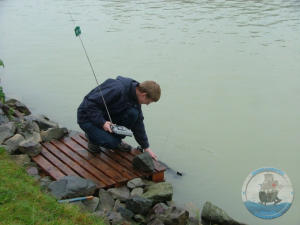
119	95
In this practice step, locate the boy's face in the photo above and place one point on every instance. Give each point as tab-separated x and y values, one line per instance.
143	99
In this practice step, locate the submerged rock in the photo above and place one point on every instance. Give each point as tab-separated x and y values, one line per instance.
215	215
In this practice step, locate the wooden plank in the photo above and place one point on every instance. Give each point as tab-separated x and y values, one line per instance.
48	167
96	162
119	159
75	166
158	177
121	169
83	163
56	162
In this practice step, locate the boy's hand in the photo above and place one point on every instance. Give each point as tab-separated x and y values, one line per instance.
107	127
153	155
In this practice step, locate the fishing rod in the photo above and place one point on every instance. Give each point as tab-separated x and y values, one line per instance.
117	129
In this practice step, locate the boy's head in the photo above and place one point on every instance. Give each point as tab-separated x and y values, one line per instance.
148	91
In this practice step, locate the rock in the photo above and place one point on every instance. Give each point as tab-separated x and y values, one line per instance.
12	144
155	221
159	208
3	117
125	213
137	192
106	201
32	171
159	192
213	214
7	130
192	209
43	121
148	182
91	205
135	183
45	182
143	162
194	221
36	177
114	217
17	105
139	205
30	147
21	160
53	133
72	186
25	126
118	204
121	193
139	218
175	216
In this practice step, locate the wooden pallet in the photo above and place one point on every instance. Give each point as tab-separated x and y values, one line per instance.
69	156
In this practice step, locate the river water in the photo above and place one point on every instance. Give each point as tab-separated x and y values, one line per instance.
229	73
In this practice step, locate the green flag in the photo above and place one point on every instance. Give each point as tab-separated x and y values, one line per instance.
1	63
77	31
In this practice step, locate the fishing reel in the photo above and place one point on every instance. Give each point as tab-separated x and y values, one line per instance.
121	130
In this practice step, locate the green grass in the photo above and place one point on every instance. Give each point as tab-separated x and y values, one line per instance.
22	201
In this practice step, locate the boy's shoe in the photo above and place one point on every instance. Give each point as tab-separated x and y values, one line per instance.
93	148
124	147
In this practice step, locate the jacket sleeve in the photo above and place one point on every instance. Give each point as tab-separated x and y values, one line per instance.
139	132
95	108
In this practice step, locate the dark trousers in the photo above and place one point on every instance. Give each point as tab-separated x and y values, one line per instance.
100	137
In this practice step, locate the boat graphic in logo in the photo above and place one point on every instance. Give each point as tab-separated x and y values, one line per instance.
267	193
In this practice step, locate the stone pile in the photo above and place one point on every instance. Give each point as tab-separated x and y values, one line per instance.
139	202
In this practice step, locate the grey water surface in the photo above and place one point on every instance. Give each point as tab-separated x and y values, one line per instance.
229	72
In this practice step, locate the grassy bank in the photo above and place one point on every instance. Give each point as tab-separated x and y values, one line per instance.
22	202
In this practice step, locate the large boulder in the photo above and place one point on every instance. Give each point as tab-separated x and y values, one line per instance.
159	192
143	162
121	193
53	133
17	105
12	144
43	121
30	147
72	186
139	205
215	215
7	130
